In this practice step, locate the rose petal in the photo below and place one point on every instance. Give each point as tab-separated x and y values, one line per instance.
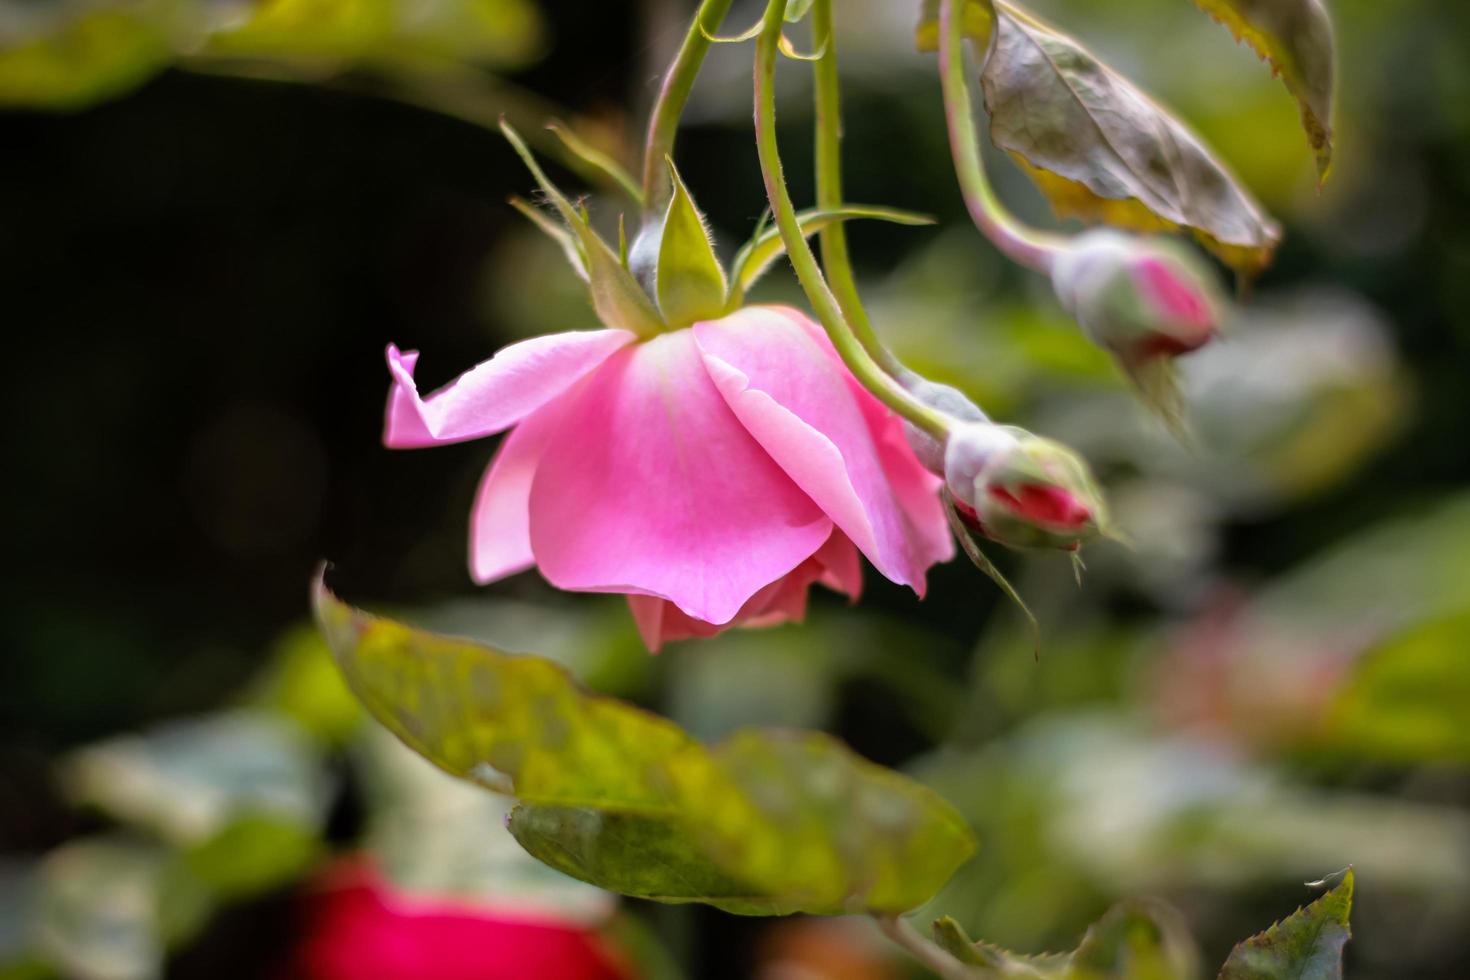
835	565
778	379
494	395
500	522
651	486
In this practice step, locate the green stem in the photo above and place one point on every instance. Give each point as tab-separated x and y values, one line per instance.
1031	248
663	122
931	956
833	238
824	303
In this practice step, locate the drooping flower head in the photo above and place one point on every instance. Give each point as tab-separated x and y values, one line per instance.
1145	301
708	460
1021	490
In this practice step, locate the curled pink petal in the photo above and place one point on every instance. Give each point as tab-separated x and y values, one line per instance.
835	565
778	378
500	522
651	486
494	395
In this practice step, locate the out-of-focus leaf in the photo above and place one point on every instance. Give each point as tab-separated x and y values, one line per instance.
1306	945
1296	37
1405	701
756	256
763	822
98	912
187	781
252	854
94	57
1102	150
302	683
1135	940
691	281
495	33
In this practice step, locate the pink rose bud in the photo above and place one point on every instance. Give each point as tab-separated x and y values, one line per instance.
1141	299
1021	490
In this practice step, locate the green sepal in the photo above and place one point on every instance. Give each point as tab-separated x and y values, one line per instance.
757	256
597	164
982	562
616	296
557	233
690	281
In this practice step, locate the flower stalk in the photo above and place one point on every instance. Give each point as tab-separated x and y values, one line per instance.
824	303
1026	246
833	239
668	108
902	933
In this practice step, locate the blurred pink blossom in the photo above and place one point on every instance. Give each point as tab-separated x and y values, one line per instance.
712	474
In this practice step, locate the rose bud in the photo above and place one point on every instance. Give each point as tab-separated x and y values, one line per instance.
1021	490
1144	300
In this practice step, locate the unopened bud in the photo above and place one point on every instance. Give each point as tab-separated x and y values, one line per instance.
1021	490
1138	298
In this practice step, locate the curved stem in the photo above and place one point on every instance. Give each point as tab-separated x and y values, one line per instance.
1031	248
673	95
833	238
825	305
906	936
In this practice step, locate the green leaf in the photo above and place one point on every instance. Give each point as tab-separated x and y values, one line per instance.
1101	150
763	823
187	781
1135	940
637	855
616	296
514	724
1404	701
78	63
760	253
691	282
818	826
1296	37
1307	945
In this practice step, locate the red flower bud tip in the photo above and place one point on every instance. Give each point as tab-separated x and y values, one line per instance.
1044	505
1145	301
1138	298
1021	490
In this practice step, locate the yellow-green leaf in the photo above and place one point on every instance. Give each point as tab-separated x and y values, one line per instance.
97	56
1296	37
690	281
516	725
1306	945
763	823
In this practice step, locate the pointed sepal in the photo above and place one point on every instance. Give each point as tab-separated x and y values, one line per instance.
616	296
690	281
